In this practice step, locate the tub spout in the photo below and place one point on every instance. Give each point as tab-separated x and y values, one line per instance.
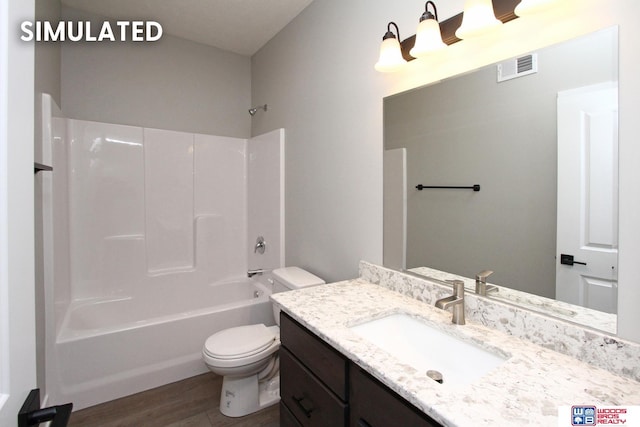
251	273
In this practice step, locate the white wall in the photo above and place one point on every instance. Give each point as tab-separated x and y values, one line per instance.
47	67
169	84
317	77
17	296
46	80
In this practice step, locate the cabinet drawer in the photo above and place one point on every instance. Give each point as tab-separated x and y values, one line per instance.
372	404
310	401
286	417
323	360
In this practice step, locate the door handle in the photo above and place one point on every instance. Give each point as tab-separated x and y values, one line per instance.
568	260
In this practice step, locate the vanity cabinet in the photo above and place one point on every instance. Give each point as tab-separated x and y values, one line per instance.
372	404
321	387
313	379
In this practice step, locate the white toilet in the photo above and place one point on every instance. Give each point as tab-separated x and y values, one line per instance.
246	356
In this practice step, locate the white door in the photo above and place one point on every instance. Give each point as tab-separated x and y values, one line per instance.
17	318
588	197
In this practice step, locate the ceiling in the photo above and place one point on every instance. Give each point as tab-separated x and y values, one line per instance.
241	26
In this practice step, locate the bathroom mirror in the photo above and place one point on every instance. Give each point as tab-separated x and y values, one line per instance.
542	146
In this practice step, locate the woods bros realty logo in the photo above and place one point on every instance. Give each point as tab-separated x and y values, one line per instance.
82	31
591	415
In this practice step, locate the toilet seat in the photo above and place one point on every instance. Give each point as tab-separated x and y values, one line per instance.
241	344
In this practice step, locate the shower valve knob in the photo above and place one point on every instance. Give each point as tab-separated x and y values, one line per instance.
261	245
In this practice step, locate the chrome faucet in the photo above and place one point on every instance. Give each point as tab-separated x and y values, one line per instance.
456	301
481	283
251	273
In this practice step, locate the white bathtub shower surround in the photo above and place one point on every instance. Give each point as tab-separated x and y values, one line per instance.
266	199
169	199
147	239
109	349
142	201
91	318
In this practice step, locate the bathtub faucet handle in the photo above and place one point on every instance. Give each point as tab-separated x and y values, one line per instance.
261	245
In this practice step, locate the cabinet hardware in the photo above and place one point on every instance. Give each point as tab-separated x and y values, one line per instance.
307	410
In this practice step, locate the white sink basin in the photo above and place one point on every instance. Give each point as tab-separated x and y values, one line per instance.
425	348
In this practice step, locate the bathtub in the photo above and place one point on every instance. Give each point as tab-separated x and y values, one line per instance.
113	348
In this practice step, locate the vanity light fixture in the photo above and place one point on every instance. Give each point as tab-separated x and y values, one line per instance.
428	35
478	17
530	7
390	51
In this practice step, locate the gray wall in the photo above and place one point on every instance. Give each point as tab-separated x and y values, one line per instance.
472	130
169	84
318	78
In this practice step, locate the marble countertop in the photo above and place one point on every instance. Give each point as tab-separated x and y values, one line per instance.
526	389
606	322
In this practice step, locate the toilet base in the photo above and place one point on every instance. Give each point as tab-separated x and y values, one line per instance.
242	396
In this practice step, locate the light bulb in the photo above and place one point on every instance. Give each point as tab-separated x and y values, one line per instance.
428	38
390	56
478	17
530	7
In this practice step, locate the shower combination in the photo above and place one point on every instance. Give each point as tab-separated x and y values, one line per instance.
253	110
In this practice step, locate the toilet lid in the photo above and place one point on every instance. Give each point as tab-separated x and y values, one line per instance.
240	341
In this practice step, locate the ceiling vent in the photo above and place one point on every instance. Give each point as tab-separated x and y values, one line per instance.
517	67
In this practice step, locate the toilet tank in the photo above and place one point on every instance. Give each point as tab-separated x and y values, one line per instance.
291	278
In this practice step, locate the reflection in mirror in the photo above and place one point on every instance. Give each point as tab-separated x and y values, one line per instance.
542	145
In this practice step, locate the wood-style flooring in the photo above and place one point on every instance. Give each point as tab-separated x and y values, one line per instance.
192	402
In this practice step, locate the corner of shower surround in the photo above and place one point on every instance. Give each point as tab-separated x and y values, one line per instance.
141	211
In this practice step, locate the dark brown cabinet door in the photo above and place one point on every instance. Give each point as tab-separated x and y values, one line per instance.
308	399
319	387
372	404
324	361
286	417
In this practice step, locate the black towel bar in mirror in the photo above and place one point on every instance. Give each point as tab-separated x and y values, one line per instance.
475	187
